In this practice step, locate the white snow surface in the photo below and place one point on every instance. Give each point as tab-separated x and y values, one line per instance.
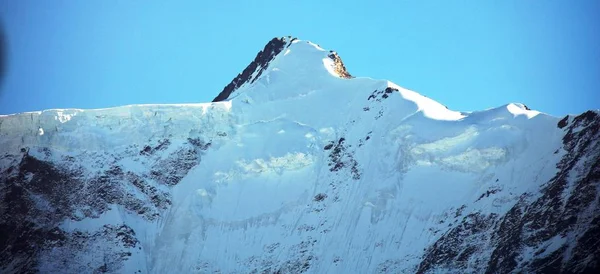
250	203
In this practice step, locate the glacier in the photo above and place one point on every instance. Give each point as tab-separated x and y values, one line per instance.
300	167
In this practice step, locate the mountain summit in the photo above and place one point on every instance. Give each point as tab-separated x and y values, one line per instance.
298	167
256	68
270	58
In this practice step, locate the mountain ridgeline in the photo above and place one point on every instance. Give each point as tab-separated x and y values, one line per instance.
299	167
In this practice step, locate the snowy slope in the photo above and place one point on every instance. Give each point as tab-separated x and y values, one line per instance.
299	167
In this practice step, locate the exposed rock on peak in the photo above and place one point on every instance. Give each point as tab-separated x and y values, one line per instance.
256	67
264	59
339	67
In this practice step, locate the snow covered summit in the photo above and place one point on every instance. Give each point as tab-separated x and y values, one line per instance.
300	58
299	167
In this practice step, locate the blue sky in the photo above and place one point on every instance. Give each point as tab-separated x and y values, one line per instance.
468	55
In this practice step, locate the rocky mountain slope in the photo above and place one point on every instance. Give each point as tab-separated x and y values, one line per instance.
299	167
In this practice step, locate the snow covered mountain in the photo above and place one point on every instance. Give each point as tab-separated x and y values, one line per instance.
299	167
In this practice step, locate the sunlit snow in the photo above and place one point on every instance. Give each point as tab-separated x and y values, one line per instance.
252	198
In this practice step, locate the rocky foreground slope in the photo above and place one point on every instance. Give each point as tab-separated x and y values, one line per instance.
299	167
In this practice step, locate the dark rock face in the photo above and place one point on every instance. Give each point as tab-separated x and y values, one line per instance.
563	122
340	158
39	193
24	225
455	247
63	255
566	209
260	63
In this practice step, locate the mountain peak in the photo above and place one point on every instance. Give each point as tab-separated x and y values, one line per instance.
267	55
256	67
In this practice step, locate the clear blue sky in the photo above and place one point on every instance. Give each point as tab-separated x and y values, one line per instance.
468	55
